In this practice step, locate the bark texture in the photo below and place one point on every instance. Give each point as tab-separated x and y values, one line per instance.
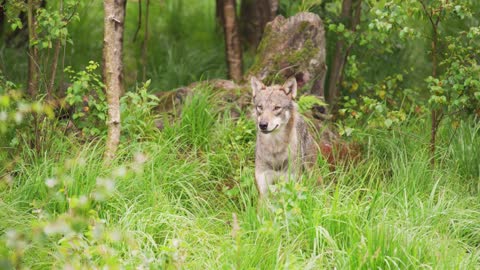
113	70
255	14
293	47
232	42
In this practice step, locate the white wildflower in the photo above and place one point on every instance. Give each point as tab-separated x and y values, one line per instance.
51	182
18	117
3	116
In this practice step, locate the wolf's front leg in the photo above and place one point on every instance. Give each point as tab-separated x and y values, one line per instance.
264	178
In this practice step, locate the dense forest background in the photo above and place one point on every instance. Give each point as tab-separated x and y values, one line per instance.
400	137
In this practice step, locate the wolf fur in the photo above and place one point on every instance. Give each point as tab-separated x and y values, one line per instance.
284	146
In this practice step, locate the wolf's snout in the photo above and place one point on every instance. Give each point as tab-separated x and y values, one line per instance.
263	126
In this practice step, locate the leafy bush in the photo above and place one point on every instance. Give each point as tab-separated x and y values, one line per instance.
87	98
16	119
138	112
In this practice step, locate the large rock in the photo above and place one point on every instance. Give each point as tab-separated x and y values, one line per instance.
293	47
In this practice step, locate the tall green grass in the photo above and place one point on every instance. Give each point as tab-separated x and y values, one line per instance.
390	210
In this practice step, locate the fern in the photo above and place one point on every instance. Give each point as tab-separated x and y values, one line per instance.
306	103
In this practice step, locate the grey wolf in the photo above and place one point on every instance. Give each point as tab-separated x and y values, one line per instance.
284	146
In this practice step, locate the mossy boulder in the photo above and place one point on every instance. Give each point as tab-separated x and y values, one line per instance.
226	96
293	47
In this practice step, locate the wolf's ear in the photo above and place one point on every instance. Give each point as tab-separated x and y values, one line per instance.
290	87
256	84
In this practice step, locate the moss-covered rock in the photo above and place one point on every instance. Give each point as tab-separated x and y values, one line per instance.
293	47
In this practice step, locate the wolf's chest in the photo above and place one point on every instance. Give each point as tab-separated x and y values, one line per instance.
282	161
279	154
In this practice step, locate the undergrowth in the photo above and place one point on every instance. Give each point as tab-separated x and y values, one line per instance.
185	197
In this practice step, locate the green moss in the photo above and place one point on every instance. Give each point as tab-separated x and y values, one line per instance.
303	55
291	58
259	60
283	59
303	26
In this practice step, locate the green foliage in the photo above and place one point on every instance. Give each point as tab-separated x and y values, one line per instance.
81	238
381	109
197	119
87	98
184	43
12	11
307	102
290	8
167	200
138	113
53	24
15	119
458	88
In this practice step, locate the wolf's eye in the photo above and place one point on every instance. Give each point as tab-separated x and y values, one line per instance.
259	107
276	108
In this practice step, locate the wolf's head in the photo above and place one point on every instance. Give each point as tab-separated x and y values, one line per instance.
274	105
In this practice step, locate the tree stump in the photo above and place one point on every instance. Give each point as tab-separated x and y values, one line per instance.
293	47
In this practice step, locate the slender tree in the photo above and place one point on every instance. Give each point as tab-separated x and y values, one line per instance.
114	22
33	76
56	55
350	17
232	41
145	41
436	114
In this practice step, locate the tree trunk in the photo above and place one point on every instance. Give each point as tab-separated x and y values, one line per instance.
113	70
255	14
139	24
338	58
353	27
33	78
436	114
219	13
56	55
2	16
232	42
145	42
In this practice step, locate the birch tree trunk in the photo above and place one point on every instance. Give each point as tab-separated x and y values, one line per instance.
232	41
113	70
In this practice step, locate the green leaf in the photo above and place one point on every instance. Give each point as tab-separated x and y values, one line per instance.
388	123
